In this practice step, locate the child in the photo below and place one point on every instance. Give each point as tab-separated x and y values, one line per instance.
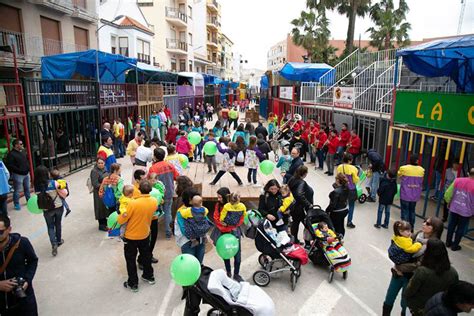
55	175
124	200
195	223
228	163
175	159
198	148
233	211
387	191
225	131
210	160
253	156
284	162
402	248
333	248
182	145
172	133
286	203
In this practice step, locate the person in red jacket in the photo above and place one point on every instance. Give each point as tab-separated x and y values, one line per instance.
344	138
222	228
312	132
172	134
167	112
320	151
332	143
354	146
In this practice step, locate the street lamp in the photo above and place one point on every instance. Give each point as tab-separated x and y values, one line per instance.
118	17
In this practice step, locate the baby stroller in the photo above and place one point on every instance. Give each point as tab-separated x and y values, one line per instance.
316	252
226	296
361	194
275	259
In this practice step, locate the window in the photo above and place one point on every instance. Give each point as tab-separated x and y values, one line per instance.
190	39
173	64
190	66
81	39
123	46
190	12
51	32
143	51
113	44
182	65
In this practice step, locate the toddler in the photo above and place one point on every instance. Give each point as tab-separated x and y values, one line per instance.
233	212
196	223
286	203
335	251
55	175
124	200
402	248
284	162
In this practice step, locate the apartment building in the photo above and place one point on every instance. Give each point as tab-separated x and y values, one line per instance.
214	34
44	27
284	51
124	30
227	58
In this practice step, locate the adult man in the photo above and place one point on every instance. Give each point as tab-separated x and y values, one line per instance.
163	123
354	146
166	173
225	116
458	298
138	217
119	134
233	117
20	259
133	145
106	132
300	143
460	196
260	129
19	167
344	137
295	164
411	181
377	166
155	124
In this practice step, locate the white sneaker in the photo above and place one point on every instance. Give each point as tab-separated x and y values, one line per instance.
249	184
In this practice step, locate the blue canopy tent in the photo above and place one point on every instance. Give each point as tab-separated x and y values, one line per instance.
112	67
264	82
209	79
453	57
304	72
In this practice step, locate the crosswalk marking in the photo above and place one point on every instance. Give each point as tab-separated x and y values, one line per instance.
322	302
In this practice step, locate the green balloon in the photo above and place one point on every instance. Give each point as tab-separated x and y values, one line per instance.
32	205
155	193
266	167
210	148
184	161
194	138
227	246
112	220
397	196
185	270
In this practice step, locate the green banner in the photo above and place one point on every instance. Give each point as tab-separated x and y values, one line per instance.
432	110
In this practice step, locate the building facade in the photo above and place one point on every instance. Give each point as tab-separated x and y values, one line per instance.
227	58
44	27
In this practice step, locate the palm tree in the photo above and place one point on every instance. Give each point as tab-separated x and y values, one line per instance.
390	25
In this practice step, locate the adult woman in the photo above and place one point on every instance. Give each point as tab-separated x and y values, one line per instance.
240	132
434	275
106	152
98	173
337	207
432	229
115	181
221	228
240	143
53	215
270	201
303	195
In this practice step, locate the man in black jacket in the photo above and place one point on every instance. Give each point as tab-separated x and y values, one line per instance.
378	167
22	264
299	143
19	167
295	164
260	129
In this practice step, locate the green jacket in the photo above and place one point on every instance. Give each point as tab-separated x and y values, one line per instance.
233	114
425	283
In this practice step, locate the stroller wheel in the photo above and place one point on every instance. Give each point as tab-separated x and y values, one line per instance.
293	280
344	275
297	265
214	312
362	198
263	260
261	278
331	275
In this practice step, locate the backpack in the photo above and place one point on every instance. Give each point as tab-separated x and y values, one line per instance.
241	157
45	201
109	197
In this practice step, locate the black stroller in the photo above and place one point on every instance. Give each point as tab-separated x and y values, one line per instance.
316	251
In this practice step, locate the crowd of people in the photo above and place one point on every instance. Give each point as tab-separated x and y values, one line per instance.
422	270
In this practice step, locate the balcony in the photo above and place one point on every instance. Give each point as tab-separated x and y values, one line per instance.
176	46
143	58
76	8
213	23
176	17
212	41
212	5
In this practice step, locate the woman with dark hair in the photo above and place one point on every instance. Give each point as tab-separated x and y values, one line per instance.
98	173
337	207
53	215
240	143
270	201
434	275
240	132
303	195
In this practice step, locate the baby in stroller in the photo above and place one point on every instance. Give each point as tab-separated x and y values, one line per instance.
332	246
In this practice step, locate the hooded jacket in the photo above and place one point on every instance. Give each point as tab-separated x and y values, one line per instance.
387	191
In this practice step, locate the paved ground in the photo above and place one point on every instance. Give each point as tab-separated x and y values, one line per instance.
87	275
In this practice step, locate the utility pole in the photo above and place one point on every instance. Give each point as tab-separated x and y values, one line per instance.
461	15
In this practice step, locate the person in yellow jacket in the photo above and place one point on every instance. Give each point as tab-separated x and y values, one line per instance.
234	211
411	183
133	146
403	248
287	201
138	216
351	173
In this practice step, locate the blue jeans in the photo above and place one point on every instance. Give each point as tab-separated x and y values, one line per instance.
396	284
237	260
120	148
19	181
457	226
53	222
374	184
252	175
321	156
351	211
387	214
408	212
196	251
168	218
198	151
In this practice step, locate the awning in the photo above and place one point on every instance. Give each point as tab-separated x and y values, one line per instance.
304	72
194	78
209	79
150	74
112	67
264	82
453	57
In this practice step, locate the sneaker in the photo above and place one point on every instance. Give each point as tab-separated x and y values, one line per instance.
377	226
456	248
257	185
103	228
448	244
238	278
241	184
61	242
17	207
330	174
229	274
212	183
350	225
133	288
385	226
150	280
54	252
249	184
154	260
326	172
209	171
68	211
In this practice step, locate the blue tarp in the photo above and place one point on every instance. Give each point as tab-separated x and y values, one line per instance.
264	82
209	79
234	85
304	72
112	67
453	57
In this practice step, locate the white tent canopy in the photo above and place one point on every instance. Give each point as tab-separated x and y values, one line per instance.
197	80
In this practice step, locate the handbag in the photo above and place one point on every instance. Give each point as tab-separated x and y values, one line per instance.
9	256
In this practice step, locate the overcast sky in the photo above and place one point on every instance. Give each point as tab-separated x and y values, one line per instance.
255	25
